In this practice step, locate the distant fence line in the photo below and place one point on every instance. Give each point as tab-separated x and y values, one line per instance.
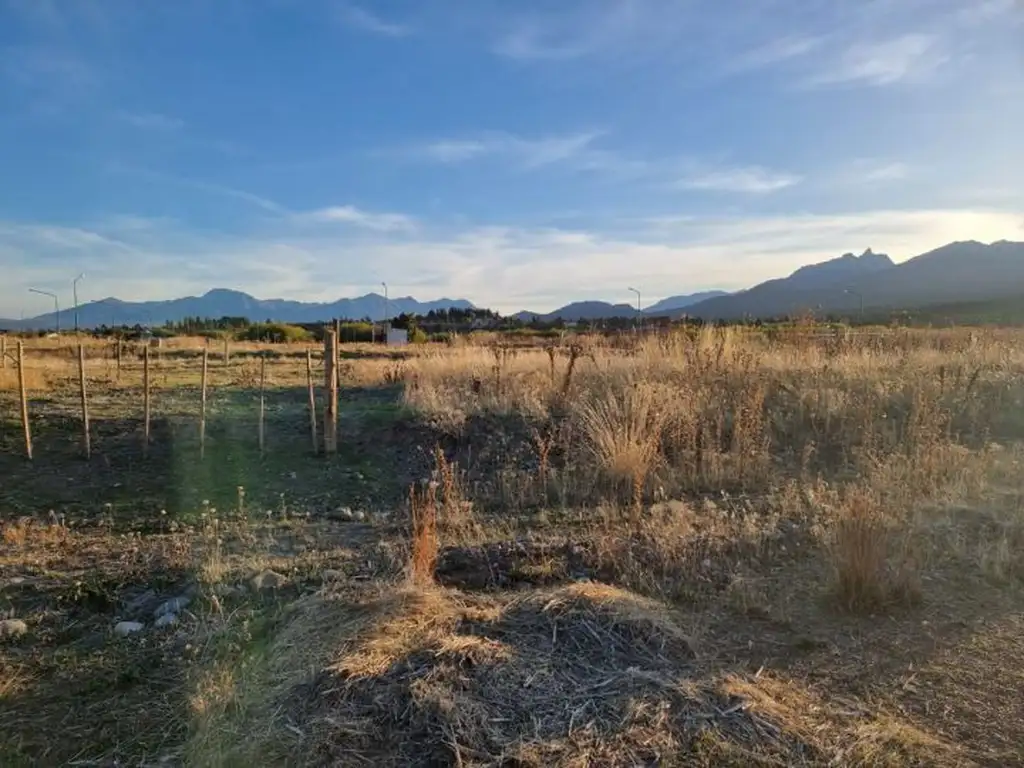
329	433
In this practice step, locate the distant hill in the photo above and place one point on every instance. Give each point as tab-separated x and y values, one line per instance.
225	303
801	291
847	267
580	310
674	303
603	310
953	274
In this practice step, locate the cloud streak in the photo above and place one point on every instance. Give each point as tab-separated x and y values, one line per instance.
528	153
348	214
910	57
775	52
359	18
153	121
753	180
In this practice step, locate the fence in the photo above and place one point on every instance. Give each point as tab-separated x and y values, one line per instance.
87	356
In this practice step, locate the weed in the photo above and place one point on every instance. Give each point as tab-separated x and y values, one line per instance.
423	511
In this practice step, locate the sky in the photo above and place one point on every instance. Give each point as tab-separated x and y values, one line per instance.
518	154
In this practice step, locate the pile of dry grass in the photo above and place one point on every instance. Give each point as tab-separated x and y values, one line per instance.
422	676
585	674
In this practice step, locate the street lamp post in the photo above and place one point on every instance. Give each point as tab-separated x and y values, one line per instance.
56	304
860	297
74	290
639	311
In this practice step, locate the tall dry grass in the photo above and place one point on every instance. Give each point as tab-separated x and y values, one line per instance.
891	417
732	409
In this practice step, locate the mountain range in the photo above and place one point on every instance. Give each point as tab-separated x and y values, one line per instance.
221	302
961	272
602	310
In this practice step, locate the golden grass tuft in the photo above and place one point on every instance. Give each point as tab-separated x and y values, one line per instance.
423	512
868	556
621	427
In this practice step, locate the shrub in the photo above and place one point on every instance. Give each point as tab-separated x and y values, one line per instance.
277	333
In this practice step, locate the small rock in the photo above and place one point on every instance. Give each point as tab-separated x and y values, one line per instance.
140	603
332	574
267	580
359	515
172	606
224	590
16	581
12	628
166	620
125	628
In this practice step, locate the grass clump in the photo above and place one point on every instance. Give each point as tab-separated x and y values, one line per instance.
869	556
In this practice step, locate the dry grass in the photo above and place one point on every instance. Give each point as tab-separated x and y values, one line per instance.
849	735
671	550
425	676
864	547
36	379
423	511
621	427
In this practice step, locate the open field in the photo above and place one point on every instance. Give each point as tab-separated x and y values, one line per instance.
706	548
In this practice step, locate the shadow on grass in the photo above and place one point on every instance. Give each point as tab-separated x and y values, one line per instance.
372	468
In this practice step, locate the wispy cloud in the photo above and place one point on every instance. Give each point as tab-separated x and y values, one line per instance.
747	180
151	121
775	52
456	150
886	172
348	214
529	153
870	172
359	18
593	28
532	43
910	57
201	185
46	67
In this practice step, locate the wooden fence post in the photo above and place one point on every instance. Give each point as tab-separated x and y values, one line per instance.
145	388
3	351
337	341
263	384
312	400
86	442
24	400
331	385
118	356
227	353
202	406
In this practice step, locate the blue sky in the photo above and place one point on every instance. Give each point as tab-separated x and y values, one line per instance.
519	154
